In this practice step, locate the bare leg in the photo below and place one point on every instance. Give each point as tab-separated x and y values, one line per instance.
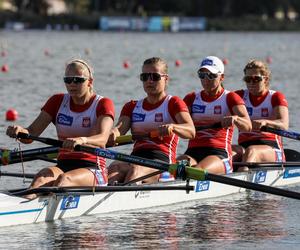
117	172
213	164
136	171
76	177
46	177
258	153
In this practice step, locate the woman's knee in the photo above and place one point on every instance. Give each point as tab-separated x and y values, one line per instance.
63	180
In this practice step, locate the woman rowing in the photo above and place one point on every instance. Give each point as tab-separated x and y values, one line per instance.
266	108
80	117
158	111
211	149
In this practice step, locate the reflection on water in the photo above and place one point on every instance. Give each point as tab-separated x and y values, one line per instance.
251	218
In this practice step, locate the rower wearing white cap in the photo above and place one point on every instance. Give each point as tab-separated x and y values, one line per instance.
211	149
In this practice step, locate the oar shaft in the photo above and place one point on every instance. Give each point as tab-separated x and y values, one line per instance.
9	157
189	172
281	132
253	186
29	176
210	126
69	190
267	164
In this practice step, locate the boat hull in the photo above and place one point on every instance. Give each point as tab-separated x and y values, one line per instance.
16	210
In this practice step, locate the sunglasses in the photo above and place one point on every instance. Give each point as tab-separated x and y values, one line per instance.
153	76
254	79
208	75
74	79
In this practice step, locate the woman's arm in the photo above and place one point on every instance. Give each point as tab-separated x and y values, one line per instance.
184	127
281	120
35	128
241	118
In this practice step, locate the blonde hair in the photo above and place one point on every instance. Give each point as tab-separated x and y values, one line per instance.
261	67
81	64
155	61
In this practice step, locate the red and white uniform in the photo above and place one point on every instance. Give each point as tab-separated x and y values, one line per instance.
73	120
206	110
262	107
146	117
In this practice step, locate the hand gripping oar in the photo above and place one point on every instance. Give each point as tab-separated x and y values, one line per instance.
127	139
9	157
281	132
179	169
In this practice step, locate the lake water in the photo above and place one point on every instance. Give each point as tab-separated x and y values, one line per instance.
36	62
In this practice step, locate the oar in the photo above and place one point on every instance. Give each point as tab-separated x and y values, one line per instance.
127	139
281	132
178	169
267	164
9	157
29	176
97	189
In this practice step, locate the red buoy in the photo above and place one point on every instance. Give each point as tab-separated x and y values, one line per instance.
4	68
126	64
178	63
11	115
46	52
269	59
225	61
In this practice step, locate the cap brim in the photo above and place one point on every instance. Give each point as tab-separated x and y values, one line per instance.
210	68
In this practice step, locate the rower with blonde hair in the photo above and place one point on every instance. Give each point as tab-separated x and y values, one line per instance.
80	117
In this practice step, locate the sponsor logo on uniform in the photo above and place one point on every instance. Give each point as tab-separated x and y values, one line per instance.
198	108
260	176
86	122
250	111
159	117
70	202
202	186
138	117
217	110
264	112
63	119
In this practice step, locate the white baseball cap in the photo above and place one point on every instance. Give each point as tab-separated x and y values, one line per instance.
213	64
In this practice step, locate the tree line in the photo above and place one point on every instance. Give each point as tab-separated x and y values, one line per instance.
206	8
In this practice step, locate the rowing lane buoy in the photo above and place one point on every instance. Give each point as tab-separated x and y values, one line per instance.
11	115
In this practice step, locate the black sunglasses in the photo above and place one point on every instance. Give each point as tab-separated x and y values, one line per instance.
208	75
254	79
74	79
153	76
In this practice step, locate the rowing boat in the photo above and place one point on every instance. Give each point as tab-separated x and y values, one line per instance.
58	203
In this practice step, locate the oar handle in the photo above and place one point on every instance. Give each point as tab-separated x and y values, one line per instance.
48	141
210	126
281	132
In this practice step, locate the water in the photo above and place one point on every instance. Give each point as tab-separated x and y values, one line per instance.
250	220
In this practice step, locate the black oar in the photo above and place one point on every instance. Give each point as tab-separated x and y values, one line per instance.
9	157
70	190
178	169
281	132
267	164
28	176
